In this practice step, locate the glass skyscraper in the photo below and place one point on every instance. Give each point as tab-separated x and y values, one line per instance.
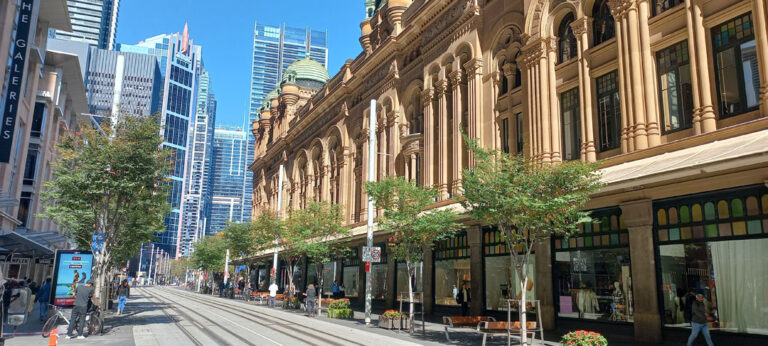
178	59
229	167
93	21
274	48
197	198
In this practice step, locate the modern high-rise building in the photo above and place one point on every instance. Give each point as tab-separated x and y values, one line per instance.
178	58
123	83
93	21
197	196
229	166
274	49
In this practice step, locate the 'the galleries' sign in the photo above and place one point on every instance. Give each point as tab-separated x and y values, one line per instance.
14	85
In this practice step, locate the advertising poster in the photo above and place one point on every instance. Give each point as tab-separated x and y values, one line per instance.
73	268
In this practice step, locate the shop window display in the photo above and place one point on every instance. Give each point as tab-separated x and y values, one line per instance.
715	245
501	279
452	270
593	278
350	278
379	274
329	274
416	281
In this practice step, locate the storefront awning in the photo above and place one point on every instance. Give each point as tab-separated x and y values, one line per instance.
47	238
719	156
19	243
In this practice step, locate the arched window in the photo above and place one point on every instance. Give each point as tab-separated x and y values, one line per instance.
566	42
518	75
603	26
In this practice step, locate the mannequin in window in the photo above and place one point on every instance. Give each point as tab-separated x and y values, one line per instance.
586	300
617	304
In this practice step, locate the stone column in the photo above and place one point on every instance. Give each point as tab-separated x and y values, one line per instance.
427	281
542	76
346	186
442	139
458	141
412	168
708	119
474	70
554	104
641	135
393	136
429	137
475	238
325	175
651	106
638	216
622	94
696	123
543	283
581	30
760	17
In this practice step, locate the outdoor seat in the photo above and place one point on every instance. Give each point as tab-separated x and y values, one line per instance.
509	328
456	322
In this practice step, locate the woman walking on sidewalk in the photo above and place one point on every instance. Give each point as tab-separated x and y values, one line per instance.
310	301
123	291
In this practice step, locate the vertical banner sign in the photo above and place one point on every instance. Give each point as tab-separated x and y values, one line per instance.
16	76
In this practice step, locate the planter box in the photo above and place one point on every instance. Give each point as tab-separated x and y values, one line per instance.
394	324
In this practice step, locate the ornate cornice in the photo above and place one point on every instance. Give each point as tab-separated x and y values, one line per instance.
455	78
426	96
474	68
581	26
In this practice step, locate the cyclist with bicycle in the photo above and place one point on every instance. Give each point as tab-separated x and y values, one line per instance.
83	296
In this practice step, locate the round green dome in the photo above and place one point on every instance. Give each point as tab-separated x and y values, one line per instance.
268	99
306	73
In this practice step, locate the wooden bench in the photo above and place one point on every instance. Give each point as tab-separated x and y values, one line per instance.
513	328
457	322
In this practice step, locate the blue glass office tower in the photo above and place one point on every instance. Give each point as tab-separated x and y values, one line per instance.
93	22
178	58
229	166
274	48
197	196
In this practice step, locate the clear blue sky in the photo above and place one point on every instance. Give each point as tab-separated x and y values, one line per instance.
225	31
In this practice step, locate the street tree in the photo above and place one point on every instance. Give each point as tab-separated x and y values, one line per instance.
263	230
315	234
209	253
414	228
110	184
528	202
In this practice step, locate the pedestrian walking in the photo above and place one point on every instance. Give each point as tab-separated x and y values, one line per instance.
463	298
310	300
123	292
335	289
699	323
83	296
42	298
272	294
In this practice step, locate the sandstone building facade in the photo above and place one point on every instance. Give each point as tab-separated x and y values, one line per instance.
671	96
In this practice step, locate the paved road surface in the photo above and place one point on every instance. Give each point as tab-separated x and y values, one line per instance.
211	321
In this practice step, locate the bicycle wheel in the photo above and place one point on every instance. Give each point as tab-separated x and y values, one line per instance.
95	324
49	325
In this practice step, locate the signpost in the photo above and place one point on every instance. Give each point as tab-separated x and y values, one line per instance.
369	235
372	254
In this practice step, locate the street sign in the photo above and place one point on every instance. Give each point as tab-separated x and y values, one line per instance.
98	242
372	254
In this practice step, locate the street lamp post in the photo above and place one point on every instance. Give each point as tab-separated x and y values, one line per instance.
371	173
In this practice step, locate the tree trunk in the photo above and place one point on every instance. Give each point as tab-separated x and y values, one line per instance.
319	288
523	306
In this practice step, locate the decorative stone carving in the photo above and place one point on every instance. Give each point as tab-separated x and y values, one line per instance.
412	144
580	26
427	95
455	78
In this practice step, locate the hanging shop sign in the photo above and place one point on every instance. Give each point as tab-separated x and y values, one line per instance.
14	82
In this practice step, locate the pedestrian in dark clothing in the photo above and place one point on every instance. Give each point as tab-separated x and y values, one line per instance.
42	298
310	300
83	296
123	291
699	323
463	298
335	289
688	300
221	288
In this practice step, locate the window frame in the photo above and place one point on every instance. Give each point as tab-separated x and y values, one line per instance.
614	96
564	31
686	119
736	45
576	117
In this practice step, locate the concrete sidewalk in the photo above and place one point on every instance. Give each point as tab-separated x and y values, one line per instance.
144	323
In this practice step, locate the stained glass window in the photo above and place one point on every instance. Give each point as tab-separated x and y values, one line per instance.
607	230
454	247
735	213
736	71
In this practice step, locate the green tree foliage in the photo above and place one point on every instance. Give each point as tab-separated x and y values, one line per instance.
527	201
111	183
413	228
210	253
314	234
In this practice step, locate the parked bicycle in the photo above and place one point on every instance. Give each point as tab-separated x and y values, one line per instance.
93	320
53	321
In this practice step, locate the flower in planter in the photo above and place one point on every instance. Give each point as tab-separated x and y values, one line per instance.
342	303
584	338
392	314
